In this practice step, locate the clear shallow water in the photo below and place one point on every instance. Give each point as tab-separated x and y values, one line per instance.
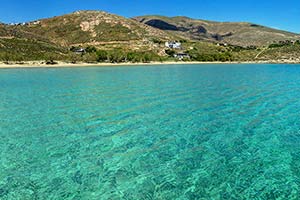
155	132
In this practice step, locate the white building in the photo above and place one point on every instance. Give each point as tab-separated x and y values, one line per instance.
181	56
173	45
36	22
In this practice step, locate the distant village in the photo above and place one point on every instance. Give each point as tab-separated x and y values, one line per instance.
177	45
170	45
174	48
25	23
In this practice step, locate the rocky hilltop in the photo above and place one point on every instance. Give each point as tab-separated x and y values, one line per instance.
83	27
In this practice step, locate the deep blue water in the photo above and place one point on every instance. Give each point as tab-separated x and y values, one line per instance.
150	132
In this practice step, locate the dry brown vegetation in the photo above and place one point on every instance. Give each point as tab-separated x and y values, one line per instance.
51	39
242	34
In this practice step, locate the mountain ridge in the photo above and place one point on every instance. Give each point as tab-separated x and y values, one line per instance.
88	26
53	38
155	27
235	33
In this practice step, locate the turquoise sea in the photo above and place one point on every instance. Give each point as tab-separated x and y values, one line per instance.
150	132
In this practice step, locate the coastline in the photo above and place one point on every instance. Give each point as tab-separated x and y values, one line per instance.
41	64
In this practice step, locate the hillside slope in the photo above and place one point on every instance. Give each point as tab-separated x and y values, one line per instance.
112	38
243	34
84	27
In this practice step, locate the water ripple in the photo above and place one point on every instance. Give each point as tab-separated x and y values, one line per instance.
170	132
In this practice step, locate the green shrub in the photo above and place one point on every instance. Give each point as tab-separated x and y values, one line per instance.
170	52
276	45
91	49
157	41
102	55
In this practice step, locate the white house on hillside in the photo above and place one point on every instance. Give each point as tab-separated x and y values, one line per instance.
173	45
181	56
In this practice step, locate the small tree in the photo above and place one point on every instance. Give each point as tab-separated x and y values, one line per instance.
116	56
91	49
74	58
102	56
6	57
73	48
90	58
170	52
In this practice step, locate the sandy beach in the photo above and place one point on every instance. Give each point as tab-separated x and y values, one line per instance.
41	64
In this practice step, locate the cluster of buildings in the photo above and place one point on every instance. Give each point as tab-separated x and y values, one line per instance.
177	45
288	42
181	56
17	24
222	44
170	45
25	23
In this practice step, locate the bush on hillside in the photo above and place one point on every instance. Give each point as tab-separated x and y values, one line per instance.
170	52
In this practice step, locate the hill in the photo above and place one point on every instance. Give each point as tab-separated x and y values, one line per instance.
85	27
55	36
242	34
112	38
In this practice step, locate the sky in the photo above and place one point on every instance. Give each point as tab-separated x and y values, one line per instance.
280	14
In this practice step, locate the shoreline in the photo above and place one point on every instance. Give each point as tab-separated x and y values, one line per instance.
41	64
